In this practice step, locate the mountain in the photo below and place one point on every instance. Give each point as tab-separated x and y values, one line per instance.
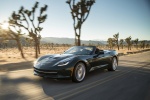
69	41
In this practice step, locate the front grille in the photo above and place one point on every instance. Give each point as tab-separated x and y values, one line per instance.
52	73
45	72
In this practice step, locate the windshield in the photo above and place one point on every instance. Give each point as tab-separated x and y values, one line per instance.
77	50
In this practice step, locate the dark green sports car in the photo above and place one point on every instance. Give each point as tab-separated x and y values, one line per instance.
75	63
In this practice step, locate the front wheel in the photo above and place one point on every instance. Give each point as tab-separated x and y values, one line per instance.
79	72
113	65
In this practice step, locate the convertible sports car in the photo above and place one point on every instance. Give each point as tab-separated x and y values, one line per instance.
75	63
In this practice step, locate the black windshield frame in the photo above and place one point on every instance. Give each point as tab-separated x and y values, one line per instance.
80	52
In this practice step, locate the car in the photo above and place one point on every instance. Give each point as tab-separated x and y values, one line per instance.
75	63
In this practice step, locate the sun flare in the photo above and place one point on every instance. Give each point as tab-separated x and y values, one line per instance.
5	25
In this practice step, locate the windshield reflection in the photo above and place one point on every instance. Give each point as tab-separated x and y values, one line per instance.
77	50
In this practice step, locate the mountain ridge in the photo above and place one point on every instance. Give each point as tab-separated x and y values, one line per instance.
70	41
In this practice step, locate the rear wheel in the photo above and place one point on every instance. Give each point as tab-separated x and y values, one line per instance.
79	72
113	65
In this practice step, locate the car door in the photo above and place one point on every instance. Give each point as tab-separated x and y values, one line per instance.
98	59
108	57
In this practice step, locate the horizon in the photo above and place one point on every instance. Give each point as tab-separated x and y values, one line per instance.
85	40
128	17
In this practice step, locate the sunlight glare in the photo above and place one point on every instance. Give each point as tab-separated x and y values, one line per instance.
5	25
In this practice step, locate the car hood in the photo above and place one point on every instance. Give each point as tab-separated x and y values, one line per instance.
51	60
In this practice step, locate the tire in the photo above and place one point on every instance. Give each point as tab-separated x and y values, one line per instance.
79	72
114	64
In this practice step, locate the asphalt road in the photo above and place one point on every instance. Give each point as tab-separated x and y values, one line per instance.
131	81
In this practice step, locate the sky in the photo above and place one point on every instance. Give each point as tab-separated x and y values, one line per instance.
106	18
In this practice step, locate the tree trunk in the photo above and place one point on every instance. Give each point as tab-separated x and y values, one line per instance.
78	41
136	46
20	48
36	47
118	46
75	40
128	47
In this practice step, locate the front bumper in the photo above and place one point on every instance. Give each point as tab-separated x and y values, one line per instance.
56	74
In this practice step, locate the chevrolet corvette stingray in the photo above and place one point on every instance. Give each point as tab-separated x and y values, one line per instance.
75	63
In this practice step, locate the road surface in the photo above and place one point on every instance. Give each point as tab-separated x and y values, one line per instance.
131	81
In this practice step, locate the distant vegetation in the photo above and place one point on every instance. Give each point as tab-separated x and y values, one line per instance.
127	42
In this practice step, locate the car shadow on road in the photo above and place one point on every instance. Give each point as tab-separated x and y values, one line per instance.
54	87
58	86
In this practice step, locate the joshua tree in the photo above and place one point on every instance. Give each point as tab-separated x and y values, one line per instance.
52	45
116	36
110	42
121	43
26	19
29	42
147	45
136	42
79	12
11	35
143	44
128	41
16	37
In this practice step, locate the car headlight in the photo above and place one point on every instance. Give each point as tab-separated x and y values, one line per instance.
35	62
64	61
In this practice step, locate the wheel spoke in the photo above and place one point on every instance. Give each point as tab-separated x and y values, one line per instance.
114	64
80	72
